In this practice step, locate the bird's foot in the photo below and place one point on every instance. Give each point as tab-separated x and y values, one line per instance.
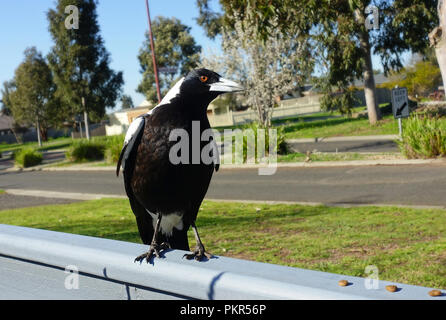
155	248
198	254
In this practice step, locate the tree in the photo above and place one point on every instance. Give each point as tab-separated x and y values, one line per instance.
8	87
267	69
420	79
32	100
176	53
80	63
341	37
438	39
127	102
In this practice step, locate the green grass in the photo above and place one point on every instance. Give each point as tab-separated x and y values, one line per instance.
51	144
337	127
407	245
2	191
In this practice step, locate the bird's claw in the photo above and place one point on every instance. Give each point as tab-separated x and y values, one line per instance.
198	254
154	249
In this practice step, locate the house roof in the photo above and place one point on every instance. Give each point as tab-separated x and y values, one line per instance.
6	122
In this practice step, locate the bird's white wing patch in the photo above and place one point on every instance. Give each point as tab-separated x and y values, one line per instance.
133	128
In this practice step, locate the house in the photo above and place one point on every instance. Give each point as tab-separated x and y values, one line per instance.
119	121
6	124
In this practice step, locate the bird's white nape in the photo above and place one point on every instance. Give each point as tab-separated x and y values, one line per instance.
173	92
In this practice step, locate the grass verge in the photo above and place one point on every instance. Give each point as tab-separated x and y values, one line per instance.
407	245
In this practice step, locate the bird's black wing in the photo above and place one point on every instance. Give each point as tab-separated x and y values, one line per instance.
128	159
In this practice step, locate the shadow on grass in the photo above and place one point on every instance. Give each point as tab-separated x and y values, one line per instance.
318	124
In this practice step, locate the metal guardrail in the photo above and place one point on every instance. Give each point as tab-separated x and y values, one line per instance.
35	264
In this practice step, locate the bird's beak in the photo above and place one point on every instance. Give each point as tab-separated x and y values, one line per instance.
225	85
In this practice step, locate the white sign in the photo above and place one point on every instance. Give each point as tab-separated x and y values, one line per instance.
400	103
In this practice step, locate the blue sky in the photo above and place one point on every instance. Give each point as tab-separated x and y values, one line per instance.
23	24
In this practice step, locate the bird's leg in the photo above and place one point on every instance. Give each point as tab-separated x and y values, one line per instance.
199	251
154	246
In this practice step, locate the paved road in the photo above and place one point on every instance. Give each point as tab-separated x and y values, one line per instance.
404	184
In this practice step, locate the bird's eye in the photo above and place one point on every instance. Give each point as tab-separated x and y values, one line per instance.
203	78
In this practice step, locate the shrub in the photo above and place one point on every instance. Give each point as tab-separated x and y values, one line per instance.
113	148
27	157
281	147
84	150
423	137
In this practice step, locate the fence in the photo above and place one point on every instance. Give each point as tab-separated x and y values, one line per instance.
41	264
286	108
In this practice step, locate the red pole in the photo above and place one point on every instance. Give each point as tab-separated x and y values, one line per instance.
152	47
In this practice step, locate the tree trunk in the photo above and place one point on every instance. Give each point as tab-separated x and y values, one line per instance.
39	139
44	134
369	80
438	40
87	127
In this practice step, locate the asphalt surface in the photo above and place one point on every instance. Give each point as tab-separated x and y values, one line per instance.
423	185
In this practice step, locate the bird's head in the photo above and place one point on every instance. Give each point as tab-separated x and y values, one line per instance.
207	83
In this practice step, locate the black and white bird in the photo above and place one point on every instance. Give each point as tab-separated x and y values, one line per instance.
166	197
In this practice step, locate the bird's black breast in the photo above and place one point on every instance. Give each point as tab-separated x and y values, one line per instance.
160	185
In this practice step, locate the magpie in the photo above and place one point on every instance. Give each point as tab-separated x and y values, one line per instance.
164	195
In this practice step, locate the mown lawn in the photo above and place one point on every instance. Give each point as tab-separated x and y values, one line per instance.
51	144
407	245
340	127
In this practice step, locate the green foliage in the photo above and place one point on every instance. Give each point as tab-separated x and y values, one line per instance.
80	62
84	150
423	137
27	157
208	19
31	94
127	102
341	101
175	48
8	87
113	148
98	148
249	134
420	79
